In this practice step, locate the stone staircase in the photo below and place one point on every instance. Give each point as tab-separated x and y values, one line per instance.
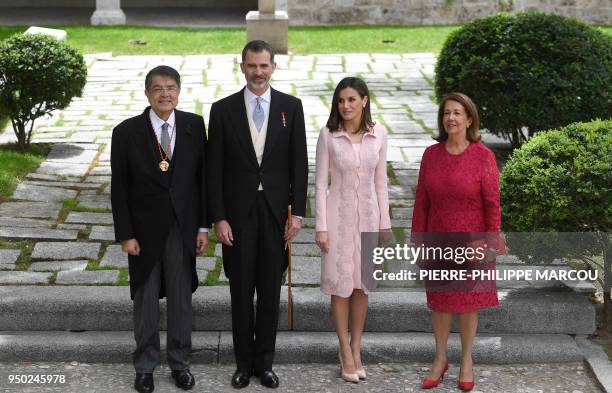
93	324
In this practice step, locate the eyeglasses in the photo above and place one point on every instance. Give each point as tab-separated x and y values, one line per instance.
169	89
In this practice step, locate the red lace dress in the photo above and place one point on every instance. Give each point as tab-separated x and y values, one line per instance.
458	193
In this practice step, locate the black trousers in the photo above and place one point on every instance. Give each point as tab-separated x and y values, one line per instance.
175	270
255	262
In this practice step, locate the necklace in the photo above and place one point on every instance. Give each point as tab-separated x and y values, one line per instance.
164	164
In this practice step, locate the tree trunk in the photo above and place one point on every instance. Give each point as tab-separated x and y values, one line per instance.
515	139
607	282
19	127
29	134
607	313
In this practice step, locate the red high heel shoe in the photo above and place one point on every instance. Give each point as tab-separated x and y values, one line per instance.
432	383
466	386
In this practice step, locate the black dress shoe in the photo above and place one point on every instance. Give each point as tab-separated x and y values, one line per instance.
183	379
240	379
269	379
144	382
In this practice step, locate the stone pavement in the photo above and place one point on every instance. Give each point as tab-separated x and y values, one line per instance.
306	378
62	210
56	230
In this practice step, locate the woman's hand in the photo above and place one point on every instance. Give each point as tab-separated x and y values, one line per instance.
385	236
490	255
322	240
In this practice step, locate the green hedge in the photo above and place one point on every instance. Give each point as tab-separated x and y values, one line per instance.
529	72
561	180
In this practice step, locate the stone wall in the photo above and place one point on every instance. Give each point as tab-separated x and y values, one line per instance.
242	4
327	12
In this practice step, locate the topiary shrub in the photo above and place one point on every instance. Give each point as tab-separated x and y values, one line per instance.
38	74
561	181
528	72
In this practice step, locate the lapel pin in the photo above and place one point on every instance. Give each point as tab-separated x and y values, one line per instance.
283	118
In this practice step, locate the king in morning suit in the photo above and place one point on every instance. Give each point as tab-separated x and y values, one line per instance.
257	166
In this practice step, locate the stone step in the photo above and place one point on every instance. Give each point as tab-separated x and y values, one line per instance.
82	308
291	347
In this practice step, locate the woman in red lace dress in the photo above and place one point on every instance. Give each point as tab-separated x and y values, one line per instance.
458	191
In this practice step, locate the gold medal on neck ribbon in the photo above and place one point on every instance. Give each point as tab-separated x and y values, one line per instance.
163	165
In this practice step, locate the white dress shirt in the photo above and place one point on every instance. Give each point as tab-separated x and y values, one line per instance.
157	124
258	137
250	102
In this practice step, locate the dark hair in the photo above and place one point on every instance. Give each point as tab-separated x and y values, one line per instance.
335	120
162	70
472	134
258	46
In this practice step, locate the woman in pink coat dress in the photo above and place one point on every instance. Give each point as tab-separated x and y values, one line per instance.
458	191
352	151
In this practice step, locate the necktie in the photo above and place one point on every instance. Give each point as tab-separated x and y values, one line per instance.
165	140
258	115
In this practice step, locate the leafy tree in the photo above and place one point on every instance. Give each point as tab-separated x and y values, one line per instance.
38	74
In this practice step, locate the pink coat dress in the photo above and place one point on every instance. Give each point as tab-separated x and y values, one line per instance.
356	200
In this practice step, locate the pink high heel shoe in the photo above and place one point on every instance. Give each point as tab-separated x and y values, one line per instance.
348	377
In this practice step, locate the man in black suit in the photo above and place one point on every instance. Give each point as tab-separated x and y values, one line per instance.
256	166
159	211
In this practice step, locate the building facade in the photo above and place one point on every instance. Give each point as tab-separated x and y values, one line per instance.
373	12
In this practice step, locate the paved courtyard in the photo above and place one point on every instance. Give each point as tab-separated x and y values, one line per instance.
63	209
302	378
57	227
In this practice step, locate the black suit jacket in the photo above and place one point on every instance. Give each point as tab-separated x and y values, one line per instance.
233	173
146	201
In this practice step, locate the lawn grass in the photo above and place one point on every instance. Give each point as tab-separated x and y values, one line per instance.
16	164
369	39
25	246
302	40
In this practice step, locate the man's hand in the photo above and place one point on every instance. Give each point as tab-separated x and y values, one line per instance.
291	232
322	240
224	232
131	246
201	243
